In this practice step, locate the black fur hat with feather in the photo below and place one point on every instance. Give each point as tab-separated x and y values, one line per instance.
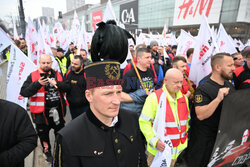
110	42
109	49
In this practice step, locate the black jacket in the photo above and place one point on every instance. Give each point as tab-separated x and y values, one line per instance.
17	135
75	86
87	142
30	88
156	64
242	77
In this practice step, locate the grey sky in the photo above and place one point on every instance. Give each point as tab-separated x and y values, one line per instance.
32	8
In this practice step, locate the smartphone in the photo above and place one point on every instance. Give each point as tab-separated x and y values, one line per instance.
44	75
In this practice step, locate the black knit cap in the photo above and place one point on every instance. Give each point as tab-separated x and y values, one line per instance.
109	49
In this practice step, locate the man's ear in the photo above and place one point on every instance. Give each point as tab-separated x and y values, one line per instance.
217	67
89	96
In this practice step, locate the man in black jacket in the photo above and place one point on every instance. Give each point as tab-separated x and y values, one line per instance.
74	85
104	135
47	103
17	135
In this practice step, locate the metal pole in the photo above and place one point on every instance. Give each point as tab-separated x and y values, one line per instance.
22	17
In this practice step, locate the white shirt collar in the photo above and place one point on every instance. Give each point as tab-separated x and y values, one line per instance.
115	120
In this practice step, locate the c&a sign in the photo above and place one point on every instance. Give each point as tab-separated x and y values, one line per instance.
129	14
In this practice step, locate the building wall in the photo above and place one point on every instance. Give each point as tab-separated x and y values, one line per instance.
154	13
229	11
48	12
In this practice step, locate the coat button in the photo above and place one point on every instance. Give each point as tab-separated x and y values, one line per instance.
118	151
114	130
131	138
116	141
102	127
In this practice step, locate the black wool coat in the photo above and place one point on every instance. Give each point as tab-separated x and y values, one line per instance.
87	142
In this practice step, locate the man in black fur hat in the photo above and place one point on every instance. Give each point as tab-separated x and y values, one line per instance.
105	135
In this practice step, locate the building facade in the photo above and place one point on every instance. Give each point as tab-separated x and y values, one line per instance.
48	12
151	16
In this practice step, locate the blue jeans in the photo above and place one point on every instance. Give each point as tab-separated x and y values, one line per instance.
76	111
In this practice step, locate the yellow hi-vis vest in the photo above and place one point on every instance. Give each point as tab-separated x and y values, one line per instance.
71	56
7	55
63	65
147	118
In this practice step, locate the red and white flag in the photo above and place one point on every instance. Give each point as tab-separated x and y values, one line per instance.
57	32
165	30
32	42
44	46
46	33
204	49
186	41
41	42
19	67
224	42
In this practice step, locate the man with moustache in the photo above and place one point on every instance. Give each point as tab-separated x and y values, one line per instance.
47	104
104	135
208	105
74	85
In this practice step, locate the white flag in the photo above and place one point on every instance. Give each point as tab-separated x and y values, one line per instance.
162	158
32	42
204	49
173	40
57	33
75	29
46	34
44	46
248	43
224	42
165	30
41	43
19	67
109	13
16	37
186	41
5	41
82	44
241	45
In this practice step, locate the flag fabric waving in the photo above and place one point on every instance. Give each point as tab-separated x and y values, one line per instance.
224	42
232	145
203	51
186	41
19	67
5	41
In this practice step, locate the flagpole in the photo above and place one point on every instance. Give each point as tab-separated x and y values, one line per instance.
22	17
137	73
